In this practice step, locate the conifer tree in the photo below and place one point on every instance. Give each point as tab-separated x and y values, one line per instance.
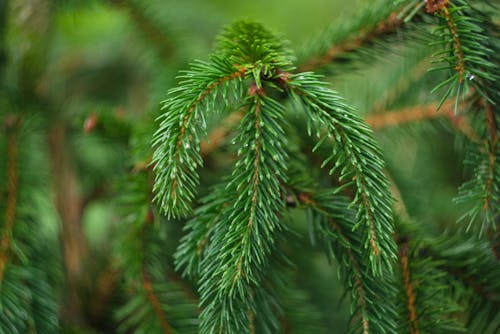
151	183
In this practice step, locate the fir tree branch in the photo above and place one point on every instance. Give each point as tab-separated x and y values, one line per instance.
157	289
11	124
358	161
174	160
441	7
244	237
333	226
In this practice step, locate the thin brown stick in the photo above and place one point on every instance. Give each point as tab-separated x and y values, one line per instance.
12	187
389	119
148	287
408	284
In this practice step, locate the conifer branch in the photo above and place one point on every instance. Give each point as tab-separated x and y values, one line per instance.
333	224
244	237
176	160
358	160
11	125
151	307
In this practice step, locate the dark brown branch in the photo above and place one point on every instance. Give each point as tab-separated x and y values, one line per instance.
69	203
148	287
408	285
11	124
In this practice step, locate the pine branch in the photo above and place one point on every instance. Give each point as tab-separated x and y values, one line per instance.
148	287
424	289
470	262
27	299
358	160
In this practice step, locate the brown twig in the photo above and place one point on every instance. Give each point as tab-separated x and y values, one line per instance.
69	203
148	287
441	8
421	113
11	123
408	285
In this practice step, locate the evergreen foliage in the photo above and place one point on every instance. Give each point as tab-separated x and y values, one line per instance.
270	191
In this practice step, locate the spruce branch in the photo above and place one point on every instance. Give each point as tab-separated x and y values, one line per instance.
334	227
381	21
245	236
209	86
467	54
357	159
232	238
27	299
